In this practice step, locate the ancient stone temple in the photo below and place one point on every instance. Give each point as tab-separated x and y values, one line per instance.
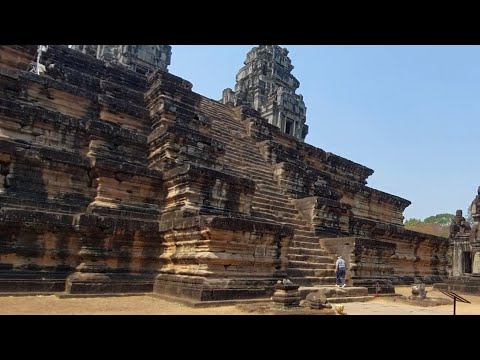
267	85
139	58
464	274
112	181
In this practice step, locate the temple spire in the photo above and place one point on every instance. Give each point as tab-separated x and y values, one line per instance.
266	84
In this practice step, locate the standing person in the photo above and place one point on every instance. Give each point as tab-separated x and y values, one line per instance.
340	268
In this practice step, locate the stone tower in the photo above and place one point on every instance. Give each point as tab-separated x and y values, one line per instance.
266	84
139	58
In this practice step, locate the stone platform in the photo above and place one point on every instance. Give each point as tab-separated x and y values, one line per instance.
463	284
337	294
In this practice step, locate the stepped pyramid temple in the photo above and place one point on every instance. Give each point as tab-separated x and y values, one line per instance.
116	177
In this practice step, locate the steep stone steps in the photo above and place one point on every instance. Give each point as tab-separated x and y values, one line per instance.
307	272
270	188
275	218
257	178
279	193
279	209
317	266
296	249
307	233
316	259
308	264
274	202
312	280
253	165
263	195
306	238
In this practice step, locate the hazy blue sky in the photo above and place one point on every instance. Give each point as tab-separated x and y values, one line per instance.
411	113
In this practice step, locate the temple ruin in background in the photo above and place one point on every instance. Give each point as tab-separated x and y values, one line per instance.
464	269
267	85
112	181
142	59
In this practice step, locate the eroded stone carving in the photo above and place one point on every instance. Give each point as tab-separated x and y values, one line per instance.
418	291
458	225
142	59
317	300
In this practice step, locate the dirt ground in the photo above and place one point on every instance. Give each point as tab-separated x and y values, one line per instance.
147	305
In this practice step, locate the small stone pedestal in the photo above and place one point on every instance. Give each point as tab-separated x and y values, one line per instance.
286	295
90	277
418	292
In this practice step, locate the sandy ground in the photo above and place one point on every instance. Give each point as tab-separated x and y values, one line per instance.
146	305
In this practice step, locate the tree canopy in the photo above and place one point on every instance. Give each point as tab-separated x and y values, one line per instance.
442	219
435	224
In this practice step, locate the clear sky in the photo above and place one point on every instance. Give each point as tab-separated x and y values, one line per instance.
410	113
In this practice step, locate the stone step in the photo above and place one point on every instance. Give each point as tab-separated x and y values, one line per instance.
276	202
244	152
286	210
305	272
242	160
293	250
270	217
305	245
292	221
308	239
257	178
322	260
260	215
318	273
308	233
269	188
274	194
225	122
276	210
317	259
305	228
263	195
262	176
312	281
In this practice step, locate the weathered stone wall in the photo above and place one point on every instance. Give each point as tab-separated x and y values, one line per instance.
213	248
114	182
77	196
391	256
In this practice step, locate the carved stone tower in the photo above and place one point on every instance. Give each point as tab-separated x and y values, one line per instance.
139	58
266	84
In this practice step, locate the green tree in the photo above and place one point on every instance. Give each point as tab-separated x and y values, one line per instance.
412	222
436	224
442	219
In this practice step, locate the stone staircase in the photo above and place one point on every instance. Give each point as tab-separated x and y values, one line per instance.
308	265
